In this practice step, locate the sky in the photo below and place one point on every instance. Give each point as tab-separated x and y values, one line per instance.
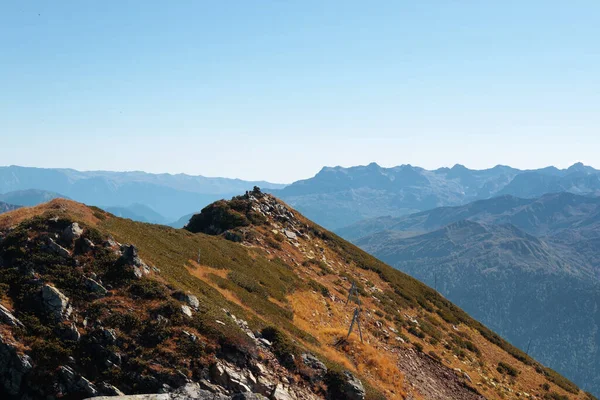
275	90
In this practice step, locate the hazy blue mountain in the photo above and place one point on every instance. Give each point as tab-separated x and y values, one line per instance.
550	213
337	197
171	196
137	212
5	207
529	268
181	222
29	197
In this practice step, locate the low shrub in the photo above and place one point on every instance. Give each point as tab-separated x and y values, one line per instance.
506	369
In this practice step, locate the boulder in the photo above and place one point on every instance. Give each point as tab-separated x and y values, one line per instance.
73	383
129	257
230	378
352	388
314	363
56	248
281	393
72	232
56	302
95	287
187	298
13	368
186	311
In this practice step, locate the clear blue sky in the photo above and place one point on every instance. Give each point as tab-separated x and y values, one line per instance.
277	89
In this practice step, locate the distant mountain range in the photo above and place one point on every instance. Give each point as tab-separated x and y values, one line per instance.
528	268
30	197
337	197
5	207
170	196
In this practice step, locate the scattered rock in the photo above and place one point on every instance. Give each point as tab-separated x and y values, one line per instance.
315	364
187	298
95	287
130	258
186	310
109	390
290	234
281	393
13	368
230	378
72	232
56	248
350	387
71	333
9	319
73	383
56	302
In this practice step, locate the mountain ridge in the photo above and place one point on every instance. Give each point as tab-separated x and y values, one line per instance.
337	196
262	295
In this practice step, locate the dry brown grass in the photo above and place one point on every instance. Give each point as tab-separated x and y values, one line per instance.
59	207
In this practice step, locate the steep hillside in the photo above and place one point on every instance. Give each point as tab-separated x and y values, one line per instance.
539	289
252	298
337	197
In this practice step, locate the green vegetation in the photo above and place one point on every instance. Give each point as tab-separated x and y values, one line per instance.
506	369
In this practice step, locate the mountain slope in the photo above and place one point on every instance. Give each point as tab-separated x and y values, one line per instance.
257	303
538	289
337	197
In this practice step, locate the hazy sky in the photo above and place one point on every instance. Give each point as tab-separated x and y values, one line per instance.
277	89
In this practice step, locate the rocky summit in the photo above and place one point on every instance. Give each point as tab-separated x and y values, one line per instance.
250	301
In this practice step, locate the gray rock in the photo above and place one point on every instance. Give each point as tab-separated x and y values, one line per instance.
281	393
191	391
72	333
352	389
72	232
290	234
56	248
13	367
129	257
107	389
95	287
72	382
187	298
56	302
88	245
9	319
228	377
186	311
314	363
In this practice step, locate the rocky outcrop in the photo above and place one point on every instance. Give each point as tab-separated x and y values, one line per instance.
56	248
56	302
187	298
9	319
73	383
13	367
130	258
72	233
95	287
352	388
